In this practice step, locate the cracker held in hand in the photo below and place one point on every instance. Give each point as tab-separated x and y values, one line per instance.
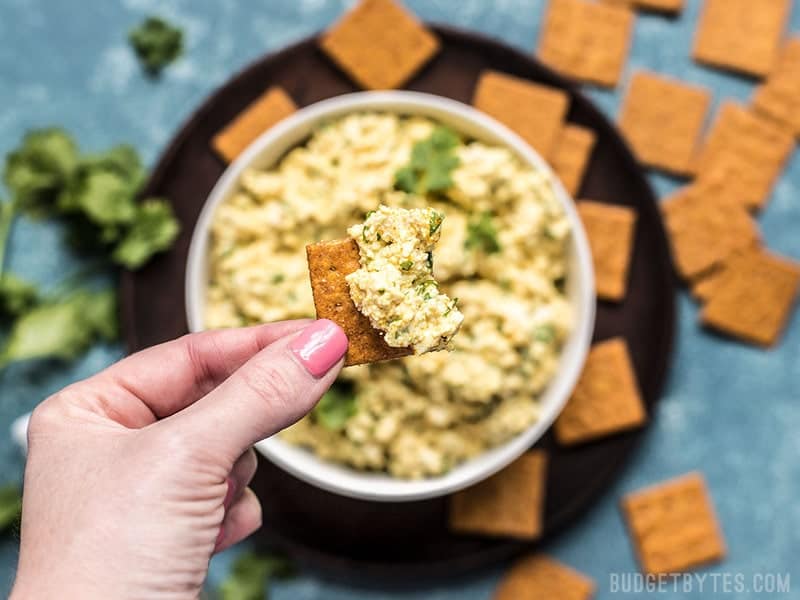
673	526
571	155
379	44
753	149
535	112
752	297
706	223
264	112
671	7
606	399
663	119
586	40
508	504
741	35
611	230
541	577
779	97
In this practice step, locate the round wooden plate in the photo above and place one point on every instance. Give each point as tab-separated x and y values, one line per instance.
410	540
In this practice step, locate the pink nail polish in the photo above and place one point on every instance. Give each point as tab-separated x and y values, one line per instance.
320	346
229	493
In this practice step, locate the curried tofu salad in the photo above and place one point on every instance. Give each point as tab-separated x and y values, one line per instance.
500	262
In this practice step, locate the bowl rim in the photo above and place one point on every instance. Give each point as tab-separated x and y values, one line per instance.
344	480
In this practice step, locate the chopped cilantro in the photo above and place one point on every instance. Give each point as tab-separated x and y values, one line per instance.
156	44
451	307
431	165
335	407
544	333
251	573
406	265
436	221
278	278
429	260
482	234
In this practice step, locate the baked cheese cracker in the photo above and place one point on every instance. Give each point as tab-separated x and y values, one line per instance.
571	154
539	576
509	503
535	112
663	119
706	223
673	526
752	148
606	399
586	40
741	35
328	264
265	111
779	97
610	230
379	44
753	297
670	7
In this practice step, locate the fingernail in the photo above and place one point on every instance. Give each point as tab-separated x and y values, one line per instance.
229	493
320	346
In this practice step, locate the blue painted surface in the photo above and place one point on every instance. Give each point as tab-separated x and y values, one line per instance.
729	410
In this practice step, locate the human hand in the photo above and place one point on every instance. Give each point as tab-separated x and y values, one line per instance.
136	476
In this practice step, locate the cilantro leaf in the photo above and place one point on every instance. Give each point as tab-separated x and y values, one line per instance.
250	576
16	295
336	407
62	329
482	234
10	505
431	165
154	229
39	168
156	44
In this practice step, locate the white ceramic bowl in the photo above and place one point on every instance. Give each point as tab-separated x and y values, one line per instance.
265	152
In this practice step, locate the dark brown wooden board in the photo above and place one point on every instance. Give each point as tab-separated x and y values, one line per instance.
409	541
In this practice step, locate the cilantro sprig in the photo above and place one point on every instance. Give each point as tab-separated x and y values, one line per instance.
251	574
431	165
156	44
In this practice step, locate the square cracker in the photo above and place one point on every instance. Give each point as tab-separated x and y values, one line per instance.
329	263
535	112
588	41
753	297
663	119
539	576
706	223
753	149
741	35
779	97
673	525
265	111
610	230
671	7
510	503
570	155
379	44
606	399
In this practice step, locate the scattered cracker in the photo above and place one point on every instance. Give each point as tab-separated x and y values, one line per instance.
539	576
265	111
779	97
535	112
753	297
509	503
673	525
611	231
752	147
379	44
571	154
663	119
329	263
586	40
670	7
605	400
706	224
741	35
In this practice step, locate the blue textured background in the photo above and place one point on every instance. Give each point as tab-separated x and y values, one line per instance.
729	410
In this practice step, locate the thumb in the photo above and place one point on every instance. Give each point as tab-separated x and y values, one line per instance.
272	390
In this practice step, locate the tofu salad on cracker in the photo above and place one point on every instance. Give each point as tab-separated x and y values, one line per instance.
457	245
